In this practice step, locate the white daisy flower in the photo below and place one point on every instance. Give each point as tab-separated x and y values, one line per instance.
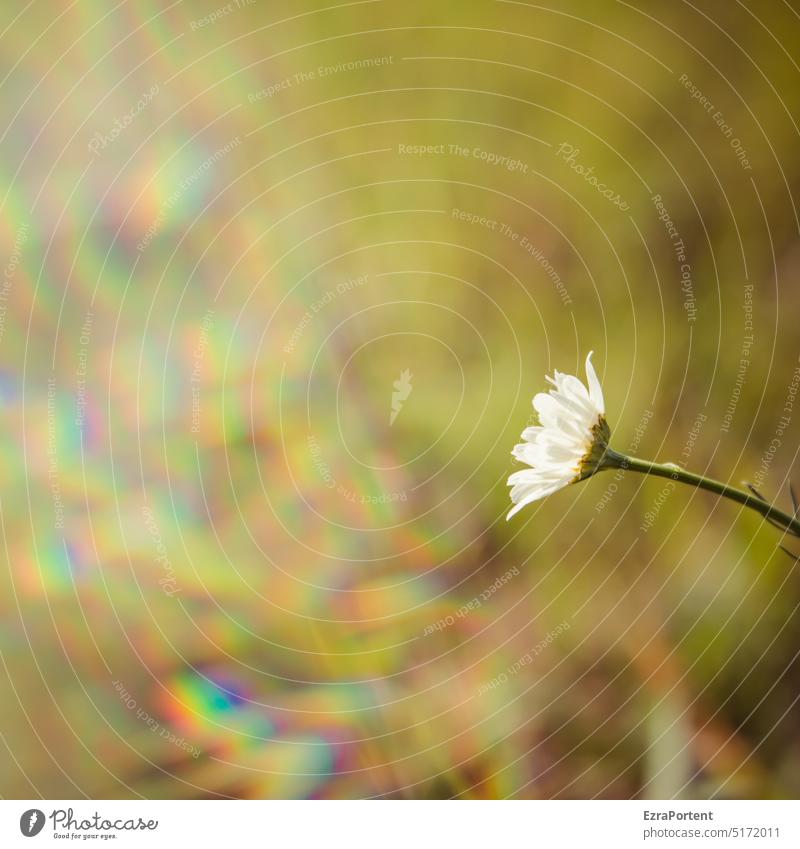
569	445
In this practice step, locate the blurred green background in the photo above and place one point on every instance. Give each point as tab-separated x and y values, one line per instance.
227	232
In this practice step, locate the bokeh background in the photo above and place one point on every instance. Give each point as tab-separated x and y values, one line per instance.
235	240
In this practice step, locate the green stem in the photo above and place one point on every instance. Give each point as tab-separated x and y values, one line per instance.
787	522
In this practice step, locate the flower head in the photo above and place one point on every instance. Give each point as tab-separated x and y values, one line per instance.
570	443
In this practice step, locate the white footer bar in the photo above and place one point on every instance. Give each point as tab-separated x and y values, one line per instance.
406	824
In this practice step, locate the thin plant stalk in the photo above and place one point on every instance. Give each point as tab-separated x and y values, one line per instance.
751	499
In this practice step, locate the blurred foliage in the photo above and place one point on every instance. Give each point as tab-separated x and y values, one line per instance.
270	577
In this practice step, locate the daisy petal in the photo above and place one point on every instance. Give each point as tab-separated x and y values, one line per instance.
595	390
567	444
